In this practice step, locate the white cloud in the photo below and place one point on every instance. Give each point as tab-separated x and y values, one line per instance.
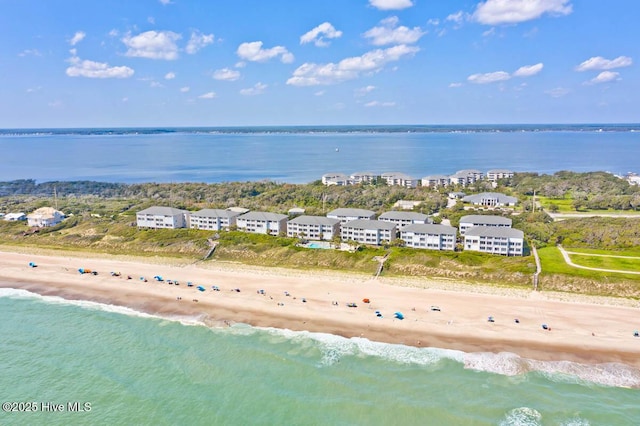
151	20
493	77
226	74
364	90
496	12
56	104
319	93
34	89
391	4
557	92
125	99
457	18
311	74
490	32
387	33
91	69
379	104
30	52
153	45
155	84
198	41
605	77
452	85
600	63
433	21
528	70
319	34
165	2
257	89
255	53
208	95
114	33
240	64
170	76
490	77
185	89
77	38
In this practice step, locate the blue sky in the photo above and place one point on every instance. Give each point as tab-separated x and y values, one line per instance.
122	63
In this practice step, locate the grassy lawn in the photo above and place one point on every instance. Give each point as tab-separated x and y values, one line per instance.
630	253
565	205
617	263
553	263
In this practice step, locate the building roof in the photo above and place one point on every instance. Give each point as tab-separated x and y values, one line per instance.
369	224
396	215
489	231
500	198
14	216
334	175
215	213
351	212
314	220
397	175
238	209
486	219
420	228
263	216
466	173
500	171
163	211
435	177
44	213
296	210
363	174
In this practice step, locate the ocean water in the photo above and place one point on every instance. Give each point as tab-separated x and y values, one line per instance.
134	368
304	154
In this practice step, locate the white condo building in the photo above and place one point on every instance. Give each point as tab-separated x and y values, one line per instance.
402	219
496	174
429	236
213	219
399	179
371	232
435	181
504	241
338	179
313	227
489	221
158	217
345	215
262	223
465	177
363	177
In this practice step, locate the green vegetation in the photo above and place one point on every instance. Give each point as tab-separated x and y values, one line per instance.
606	262
102	220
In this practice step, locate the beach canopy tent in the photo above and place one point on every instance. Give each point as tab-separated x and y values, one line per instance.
399	315
200	288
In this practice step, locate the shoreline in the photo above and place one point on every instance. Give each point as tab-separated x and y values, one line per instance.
583	329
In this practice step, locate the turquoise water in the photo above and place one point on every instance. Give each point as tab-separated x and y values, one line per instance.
138	369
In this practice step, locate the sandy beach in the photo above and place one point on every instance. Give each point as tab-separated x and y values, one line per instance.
582	329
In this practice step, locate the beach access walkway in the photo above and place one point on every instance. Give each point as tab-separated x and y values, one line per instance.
567	259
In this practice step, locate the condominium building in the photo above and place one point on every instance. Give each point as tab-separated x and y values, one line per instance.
402	219
465	177
429	236
495	174
262	223
504	241
159	217
337	179
363	177
345	215
371	232
435	181
213	219
313	227
489	221
399	179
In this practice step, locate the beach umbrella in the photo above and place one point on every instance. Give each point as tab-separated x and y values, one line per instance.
399	315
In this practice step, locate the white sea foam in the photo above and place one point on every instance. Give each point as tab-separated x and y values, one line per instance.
86	304
522	416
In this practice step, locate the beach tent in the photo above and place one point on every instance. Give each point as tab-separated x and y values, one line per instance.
399	315
200	288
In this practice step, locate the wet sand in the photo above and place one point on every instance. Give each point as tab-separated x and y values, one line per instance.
582	329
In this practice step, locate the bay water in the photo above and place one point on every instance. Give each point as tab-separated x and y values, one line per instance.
133	368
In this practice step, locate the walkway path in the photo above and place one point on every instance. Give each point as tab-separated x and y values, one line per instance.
538	267
567	259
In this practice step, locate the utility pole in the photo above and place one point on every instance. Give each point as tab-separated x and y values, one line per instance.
534	200
55	197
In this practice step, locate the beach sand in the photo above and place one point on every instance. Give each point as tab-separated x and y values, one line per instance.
582	329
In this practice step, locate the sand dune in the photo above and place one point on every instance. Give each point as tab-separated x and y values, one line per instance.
588	330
